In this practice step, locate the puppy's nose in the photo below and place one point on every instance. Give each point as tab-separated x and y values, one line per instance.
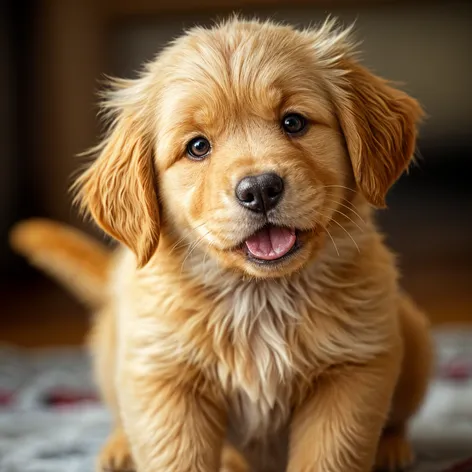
260	193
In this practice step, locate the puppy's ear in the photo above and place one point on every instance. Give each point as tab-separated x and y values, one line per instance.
119	188
379	125
377	120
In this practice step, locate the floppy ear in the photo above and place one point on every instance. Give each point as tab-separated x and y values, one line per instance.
379	125
119	189
377	120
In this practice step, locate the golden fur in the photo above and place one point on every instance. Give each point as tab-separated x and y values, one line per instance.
309	365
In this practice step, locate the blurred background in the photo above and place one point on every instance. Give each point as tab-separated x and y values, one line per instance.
53	54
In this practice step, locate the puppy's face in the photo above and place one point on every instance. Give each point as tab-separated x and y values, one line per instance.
250	156
249	135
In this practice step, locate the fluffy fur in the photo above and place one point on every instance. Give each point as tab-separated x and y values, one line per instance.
313	364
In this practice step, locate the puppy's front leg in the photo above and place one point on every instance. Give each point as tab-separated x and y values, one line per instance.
172	426
338	427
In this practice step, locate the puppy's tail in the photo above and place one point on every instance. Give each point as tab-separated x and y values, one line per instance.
75	260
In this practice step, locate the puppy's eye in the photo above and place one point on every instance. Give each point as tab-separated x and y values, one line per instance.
198	148
293	123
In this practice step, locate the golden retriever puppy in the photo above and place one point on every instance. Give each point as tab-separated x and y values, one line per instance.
252	319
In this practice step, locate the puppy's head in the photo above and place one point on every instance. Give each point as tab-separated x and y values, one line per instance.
244	139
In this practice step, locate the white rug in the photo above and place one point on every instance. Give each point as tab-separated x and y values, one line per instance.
49	421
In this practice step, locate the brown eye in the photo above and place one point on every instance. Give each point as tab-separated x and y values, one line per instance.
198	148
293	123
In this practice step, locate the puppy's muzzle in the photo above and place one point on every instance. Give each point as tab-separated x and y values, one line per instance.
260	193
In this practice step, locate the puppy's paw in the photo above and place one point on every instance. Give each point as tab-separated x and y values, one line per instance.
115	455
394	452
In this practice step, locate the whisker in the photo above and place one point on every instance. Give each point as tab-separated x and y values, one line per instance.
189	253
176	245
214	220
337	186
332	239
329	234
210	244
350	208
350	219
195	245
348	233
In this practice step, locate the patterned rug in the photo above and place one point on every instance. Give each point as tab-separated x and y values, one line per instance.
51	421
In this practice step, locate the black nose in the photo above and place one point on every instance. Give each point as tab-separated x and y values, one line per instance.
260	193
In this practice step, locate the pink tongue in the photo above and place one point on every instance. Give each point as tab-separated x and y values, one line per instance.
271	243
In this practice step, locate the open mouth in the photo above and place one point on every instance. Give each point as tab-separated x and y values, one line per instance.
271	244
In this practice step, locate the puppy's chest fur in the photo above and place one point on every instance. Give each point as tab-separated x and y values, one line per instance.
272	339
256	367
